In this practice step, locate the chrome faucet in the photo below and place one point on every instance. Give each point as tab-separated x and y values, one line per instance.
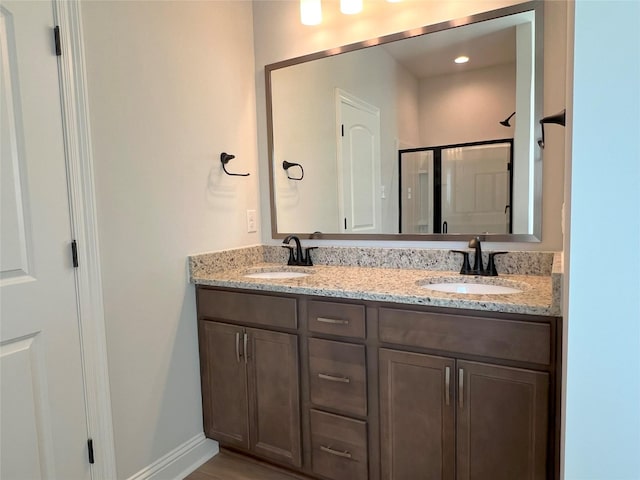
298	257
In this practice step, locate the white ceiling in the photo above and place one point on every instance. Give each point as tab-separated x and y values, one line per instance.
486	43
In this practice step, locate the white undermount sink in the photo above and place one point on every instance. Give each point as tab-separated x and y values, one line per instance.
277	273
483	287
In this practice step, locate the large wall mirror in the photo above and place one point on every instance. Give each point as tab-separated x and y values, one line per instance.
392	139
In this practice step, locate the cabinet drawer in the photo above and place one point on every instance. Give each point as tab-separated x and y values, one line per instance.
337	319
338	376
247	308
490	337
339	446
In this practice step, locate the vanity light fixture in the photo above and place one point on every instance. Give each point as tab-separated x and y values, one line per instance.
394	1
310	12
461	59
350	7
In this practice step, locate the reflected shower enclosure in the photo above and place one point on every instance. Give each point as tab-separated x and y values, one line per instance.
465	188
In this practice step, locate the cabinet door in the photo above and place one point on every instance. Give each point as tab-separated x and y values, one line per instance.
416	416
224	384
502	423
274	401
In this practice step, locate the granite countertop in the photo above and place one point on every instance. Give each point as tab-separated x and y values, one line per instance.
539	294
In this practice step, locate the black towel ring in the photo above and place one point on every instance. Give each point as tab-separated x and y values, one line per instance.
287	165
226	158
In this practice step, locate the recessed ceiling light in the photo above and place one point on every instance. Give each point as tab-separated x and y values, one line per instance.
462	59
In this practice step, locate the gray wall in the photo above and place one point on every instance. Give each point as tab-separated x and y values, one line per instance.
171	86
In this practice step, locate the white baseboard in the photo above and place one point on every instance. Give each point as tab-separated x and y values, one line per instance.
181	461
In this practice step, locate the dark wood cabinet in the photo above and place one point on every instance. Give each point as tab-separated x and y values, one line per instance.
417	416
274	405
364	390
225	410
451	419
502	422
250	390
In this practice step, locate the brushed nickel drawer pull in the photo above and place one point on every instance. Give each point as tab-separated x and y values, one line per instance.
333	378
238	347
447	385
334	321
337	453
461	387
246	353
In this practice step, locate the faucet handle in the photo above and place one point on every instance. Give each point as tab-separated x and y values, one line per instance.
307	256
466	266
491	264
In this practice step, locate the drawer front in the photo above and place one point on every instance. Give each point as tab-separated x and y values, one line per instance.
247	308
339	446
337	319
338	376
489	337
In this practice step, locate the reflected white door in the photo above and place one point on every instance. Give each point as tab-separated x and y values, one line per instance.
42	407
358	165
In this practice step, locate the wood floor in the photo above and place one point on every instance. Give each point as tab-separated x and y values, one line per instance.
229	466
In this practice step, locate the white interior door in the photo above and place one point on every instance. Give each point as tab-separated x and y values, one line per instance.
358	165
42	407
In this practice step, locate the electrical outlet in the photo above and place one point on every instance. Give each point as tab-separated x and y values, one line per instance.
251	221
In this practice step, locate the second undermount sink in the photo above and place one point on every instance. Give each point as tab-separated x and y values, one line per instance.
277	273
472	287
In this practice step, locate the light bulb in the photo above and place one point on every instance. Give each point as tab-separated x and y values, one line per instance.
349	7
462	59
310	12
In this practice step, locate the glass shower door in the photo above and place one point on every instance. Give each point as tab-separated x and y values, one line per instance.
476	188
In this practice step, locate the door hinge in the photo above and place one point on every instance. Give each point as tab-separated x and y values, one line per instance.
343	130
74	253
90	451
56	38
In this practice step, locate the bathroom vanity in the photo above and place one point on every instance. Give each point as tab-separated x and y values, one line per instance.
308	374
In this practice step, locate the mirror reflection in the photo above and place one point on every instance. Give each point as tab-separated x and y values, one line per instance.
399	139
457	189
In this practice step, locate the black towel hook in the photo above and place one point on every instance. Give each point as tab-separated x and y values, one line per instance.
226	158
287	165
559	119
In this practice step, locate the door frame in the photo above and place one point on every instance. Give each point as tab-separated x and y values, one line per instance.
84	229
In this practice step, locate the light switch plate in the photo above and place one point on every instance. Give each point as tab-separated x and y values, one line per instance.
251	221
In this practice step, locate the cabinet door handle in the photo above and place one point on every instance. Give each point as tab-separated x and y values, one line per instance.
333	378
246	352
337	453
447	385
335	321
238	347
461	386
